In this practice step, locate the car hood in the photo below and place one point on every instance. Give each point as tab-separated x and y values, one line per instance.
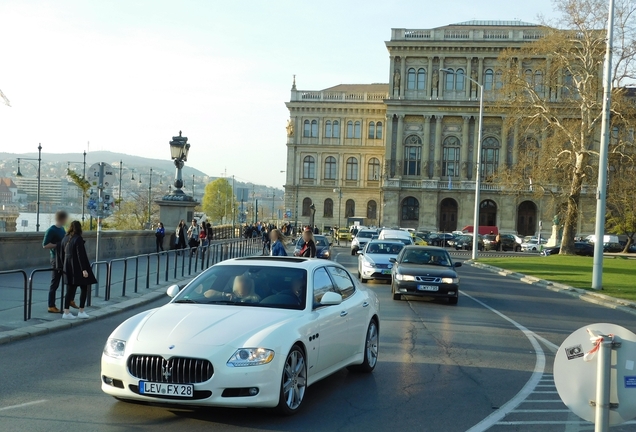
426	270
379	258
209	324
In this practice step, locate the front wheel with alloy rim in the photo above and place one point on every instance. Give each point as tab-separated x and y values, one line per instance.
293	382
396	296
370	349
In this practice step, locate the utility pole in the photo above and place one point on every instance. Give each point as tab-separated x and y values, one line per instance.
149	196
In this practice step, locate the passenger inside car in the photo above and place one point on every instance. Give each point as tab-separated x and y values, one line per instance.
242	291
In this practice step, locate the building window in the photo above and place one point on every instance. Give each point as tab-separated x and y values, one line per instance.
538	82
330	168
373	169
498	80
356	131
352	169
306	207
328	208
328	129
410	209
378	130
459	80
568	84
450	157
411	79
336	129
309	167
350	208
489	78
314	129
421	79
528	75
371	130
372	210
349	129
307	129
412	155
450	79
489	157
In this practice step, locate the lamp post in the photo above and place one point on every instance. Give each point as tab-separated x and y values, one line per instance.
478	168
149	196
179	148
192	185
19	174
338	190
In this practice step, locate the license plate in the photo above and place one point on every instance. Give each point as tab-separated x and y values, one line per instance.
163	389
386	271
427	288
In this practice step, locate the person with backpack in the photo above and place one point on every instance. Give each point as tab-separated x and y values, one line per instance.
52	241
77	270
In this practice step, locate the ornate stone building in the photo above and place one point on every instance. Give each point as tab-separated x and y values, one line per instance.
426	144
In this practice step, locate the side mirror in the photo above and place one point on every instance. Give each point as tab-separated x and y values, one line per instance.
331	298
457	264
360	252
393	260
173	290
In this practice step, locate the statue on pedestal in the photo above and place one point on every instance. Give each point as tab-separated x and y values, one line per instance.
290	128
396	79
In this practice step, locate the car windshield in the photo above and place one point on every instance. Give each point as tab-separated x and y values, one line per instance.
384	248
365	234
320	241
426	257
465	238
248	285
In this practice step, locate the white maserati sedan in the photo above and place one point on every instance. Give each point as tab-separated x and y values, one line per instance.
248	332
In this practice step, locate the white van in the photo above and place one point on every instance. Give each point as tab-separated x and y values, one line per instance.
606	239
401	235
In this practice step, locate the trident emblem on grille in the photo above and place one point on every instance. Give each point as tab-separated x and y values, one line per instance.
166	371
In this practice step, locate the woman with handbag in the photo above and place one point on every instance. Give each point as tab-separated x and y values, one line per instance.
77	270
308	250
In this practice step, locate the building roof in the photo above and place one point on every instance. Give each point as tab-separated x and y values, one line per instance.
369	88
495	23
7	182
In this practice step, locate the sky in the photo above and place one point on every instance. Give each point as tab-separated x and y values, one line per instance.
127	75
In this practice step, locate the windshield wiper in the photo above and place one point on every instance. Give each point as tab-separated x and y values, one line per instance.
185	301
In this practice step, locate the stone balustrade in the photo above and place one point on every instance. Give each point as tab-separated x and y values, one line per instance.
469	34
335	96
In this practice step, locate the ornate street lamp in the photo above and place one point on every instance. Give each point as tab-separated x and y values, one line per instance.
179	149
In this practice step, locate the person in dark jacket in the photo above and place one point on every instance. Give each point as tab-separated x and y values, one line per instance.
308	249
181	235
160	233
277	238
77	270
52	241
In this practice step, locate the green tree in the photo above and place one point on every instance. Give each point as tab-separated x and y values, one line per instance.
621	205
132	214
218	200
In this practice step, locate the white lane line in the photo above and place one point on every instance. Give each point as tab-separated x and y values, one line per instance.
26	404
531	401
541	411
527	389
545	392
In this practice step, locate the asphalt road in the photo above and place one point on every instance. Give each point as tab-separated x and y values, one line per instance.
442	368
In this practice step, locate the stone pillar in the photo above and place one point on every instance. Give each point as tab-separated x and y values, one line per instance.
362	171
388	145
469	70
442	81
515	145
343	130
480	72
548	91
399	153
403	75
475	148
426	139
503	149
320	129
171	212
437	172
391	72
463	153
319	171
429	78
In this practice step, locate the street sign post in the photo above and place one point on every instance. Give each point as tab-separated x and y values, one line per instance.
595	374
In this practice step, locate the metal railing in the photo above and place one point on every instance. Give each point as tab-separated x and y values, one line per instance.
24	286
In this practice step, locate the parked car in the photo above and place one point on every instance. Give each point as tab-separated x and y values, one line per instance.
374	260
508	243
344	234
532	245
244	333
613	247
323	247
361	239
440	239
419	241
465	242
425	271
580	248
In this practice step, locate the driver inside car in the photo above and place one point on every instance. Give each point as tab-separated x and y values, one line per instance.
242	291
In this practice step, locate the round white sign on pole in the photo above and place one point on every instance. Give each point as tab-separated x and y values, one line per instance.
109	176
575	378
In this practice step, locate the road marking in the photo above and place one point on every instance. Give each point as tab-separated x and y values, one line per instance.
541	410
527	389
26	404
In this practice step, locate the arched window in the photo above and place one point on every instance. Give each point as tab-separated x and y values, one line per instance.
450	157
411	79
410	209
306	207
568	84
314	129
450	79
528	76
459	80
330	168
372	210
488	213
349	129
421	79
306	129
328	208
336	129
489	156
538	82
350	208
352	169
371	130
328	129
309	167
378	130
373	169
356	131
412	155
489	78
498	79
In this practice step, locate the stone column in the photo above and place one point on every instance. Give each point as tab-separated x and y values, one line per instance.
480	72
559	85
429	78
503	149
437	172
388	144
426	139
320	129
343	130
399	153
403	76
362	171
463	153
547	82
469	70
515	145
391	72
476	148
442	80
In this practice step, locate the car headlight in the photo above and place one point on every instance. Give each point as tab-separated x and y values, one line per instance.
450	280
402	277
115	348
324	253
250	357
367	264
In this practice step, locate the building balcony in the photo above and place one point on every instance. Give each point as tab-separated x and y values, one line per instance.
338	96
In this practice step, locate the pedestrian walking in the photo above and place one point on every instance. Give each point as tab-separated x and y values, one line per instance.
308	249
498	242
193	235
77	270
203	234
266	241
277	238
160	233
52	241
208	227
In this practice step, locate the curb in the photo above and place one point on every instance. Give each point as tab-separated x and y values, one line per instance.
585	295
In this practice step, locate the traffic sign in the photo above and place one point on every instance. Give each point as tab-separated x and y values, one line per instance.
109	176
107	205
